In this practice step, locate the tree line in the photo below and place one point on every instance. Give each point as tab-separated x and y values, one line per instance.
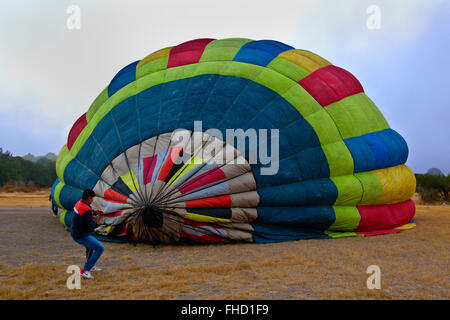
19	172
433	187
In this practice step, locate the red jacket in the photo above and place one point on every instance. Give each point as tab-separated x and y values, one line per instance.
83	222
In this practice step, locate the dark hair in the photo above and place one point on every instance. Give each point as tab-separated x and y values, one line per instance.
88	193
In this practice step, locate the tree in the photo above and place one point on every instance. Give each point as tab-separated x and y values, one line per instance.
433	187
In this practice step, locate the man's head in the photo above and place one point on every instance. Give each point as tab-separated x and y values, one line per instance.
88	196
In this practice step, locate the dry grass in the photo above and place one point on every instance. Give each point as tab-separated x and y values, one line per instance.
25	199
414	265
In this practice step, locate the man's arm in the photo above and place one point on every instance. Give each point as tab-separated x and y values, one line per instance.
90	221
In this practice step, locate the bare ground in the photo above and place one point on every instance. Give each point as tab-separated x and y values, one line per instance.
35	252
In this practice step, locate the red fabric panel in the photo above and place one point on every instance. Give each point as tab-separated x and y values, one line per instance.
187	53
330	84
213	202
195	234
149	166
113	196
204	179
174	153
385	216
114	214
77	127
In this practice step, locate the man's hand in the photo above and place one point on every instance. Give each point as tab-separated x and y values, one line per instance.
98	212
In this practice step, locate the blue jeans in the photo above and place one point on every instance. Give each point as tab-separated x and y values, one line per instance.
94	250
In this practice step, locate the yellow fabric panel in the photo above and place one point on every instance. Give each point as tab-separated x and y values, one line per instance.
407	226
155	55
399	184
109	229
201	218
130	180
193	162
305	59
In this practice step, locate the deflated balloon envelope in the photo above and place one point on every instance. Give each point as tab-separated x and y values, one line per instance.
337	168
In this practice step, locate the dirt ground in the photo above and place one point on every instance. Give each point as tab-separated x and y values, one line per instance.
37	199
35	252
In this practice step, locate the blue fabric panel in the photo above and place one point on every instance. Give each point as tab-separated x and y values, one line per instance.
122	78
363	158
124	116
69	196
315	217
396	145
224	213
377	150
266	233
260	52
120	187
239	103
68	219
314	192
78	176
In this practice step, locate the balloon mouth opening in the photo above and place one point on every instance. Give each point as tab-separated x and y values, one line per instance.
152	216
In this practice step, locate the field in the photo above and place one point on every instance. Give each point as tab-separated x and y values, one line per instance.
35	252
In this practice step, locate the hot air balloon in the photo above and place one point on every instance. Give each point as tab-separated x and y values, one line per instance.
340	168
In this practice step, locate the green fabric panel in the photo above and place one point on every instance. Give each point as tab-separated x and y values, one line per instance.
324	127
223	50
57	192
347	218
98	102
372	187
211	67
350	190
182	72
244	70
150	80
154	66
339	158
63	159
275	81
303	102
336	234
356	115
62	216
124	93
289	69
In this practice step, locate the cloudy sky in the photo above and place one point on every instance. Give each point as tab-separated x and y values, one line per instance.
50	74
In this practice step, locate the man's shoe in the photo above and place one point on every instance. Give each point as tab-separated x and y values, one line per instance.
86	274
94	268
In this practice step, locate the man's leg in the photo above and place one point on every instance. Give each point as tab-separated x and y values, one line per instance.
97	249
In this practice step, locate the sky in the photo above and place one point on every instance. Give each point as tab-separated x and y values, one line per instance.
50	74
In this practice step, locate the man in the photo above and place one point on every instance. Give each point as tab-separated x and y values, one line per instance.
83	223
